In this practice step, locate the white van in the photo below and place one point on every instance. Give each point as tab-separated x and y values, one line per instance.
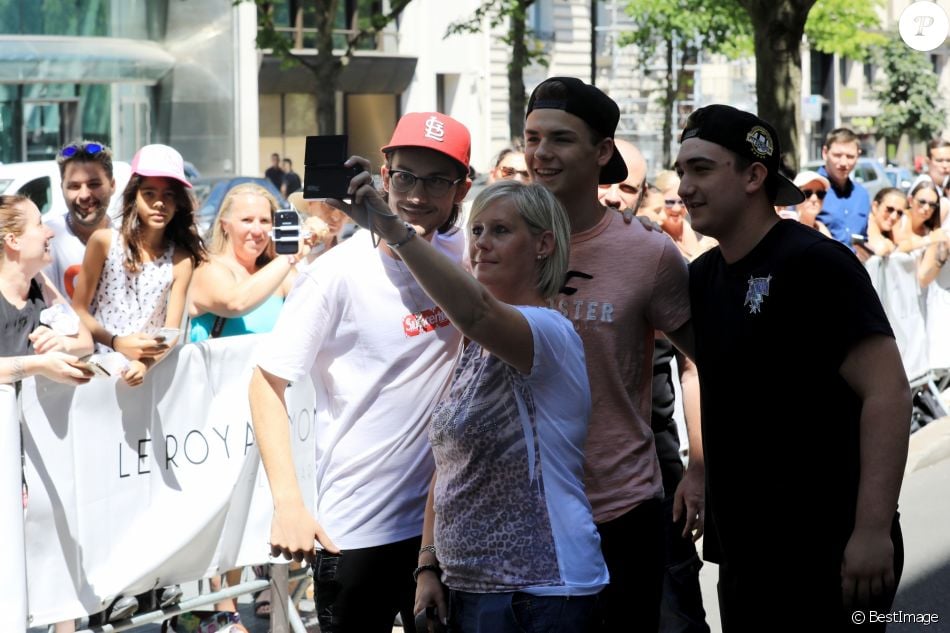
40	181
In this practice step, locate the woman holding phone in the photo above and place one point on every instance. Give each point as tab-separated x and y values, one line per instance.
242	286
508	438
33	341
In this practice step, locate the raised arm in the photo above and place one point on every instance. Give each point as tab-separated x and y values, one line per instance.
216	290
496	326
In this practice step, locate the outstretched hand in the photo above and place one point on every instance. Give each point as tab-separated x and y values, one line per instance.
368	209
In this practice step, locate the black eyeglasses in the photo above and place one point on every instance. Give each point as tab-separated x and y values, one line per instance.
404	181
927	203
821	193
509	172
891	210
89	148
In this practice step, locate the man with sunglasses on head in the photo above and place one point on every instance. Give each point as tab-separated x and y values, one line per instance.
847	205
380	354
88	186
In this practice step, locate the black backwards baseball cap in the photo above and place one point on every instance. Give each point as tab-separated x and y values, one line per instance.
748	136
592	106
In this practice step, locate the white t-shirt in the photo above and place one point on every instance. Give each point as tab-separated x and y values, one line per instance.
67	251
378	371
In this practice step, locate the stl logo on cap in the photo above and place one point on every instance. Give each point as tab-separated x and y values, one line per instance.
758	137
435	129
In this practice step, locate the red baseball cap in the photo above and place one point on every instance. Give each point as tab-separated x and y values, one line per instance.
435	131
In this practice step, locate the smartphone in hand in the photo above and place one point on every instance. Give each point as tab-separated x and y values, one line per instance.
91	367
167	334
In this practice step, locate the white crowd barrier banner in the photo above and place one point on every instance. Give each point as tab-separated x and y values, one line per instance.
12	558
938	324
136	488
895	279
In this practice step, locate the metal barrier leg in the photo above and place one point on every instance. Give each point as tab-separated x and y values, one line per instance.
280	602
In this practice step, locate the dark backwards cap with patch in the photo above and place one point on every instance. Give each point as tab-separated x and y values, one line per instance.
596	109
748	136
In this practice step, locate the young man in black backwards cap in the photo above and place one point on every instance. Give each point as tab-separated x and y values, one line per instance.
569	148
834	453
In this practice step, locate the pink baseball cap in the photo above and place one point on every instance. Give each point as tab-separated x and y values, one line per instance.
160	161
435	131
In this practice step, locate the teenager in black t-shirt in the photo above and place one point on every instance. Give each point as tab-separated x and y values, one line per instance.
805	429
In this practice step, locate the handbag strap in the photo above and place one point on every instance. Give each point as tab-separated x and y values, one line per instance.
219	322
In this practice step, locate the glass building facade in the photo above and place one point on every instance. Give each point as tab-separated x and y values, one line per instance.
122	72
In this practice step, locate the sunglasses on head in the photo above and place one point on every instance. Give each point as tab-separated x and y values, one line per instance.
927	203
821	193
88	148
509	172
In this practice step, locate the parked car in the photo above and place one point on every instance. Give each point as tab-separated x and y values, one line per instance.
868	172
40	182
210	193
900	177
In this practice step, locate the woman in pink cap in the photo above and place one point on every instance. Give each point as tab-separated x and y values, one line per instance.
132	287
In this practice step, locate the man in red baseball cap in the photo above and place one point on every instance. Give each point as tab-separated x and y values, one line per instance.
367	334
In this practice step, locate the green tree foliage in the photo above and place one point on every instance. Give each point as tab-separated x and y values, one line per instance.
845	27
683	26
525	50
849	28
325	65
909	94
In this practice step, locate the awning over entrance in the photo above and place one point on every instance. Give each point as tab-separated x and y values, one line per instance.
366	73
54	59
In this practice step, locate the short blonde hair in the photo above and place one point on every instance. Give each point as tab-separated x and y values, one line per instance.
12	218
541	211
219	239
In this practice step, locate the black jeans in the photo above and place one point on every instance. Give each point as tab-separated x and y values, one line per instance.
681	610
362	590
633	547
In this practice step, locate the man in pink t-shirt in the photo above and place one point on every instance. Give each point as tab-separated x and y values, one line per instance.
569	148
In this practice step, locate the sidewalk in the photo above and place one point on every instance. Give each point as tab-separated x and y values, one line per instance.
929	445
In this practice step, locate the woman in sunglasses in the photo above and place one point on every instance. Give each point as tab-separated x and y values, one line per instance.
815	187
673	219
920	231
920	228
887	209
509	166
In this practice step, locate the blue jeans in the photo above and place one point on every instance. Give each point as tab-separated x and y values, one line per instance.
519	612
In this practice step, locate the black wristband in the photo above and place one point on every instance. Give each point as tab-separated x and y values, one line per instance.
410	233
421	568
